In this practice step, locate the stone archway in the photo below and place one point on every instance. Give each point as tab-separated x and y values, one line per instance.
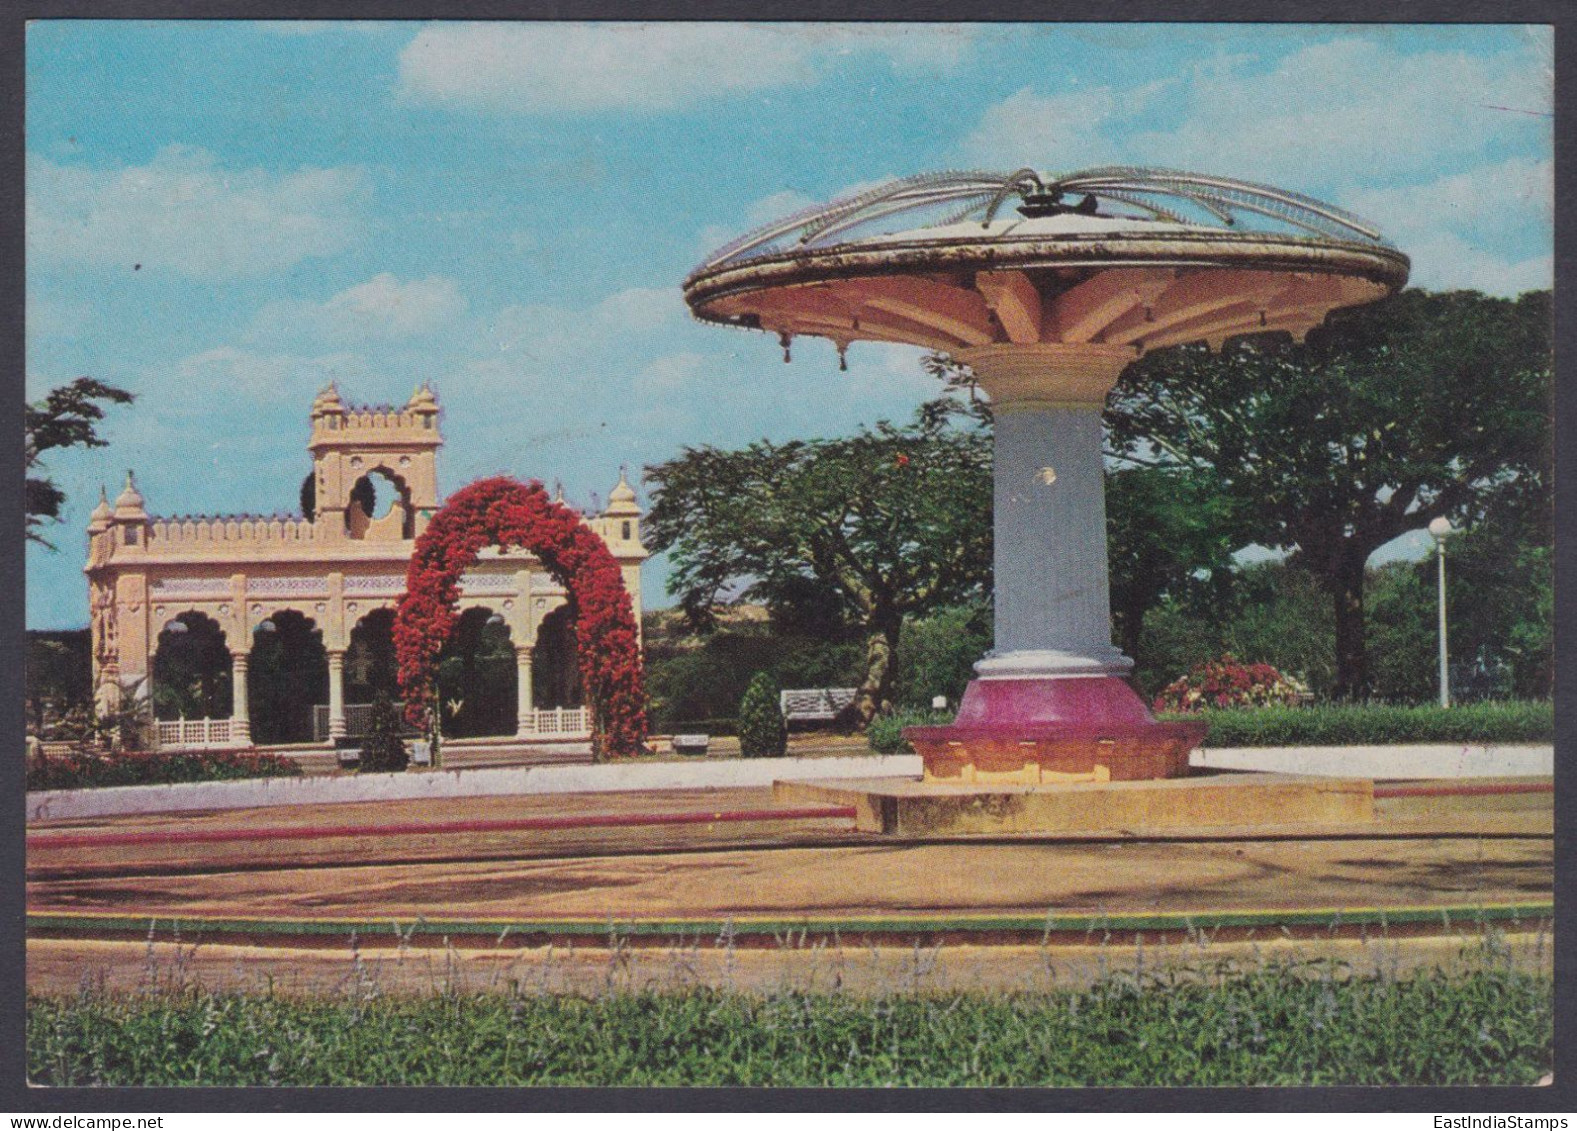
555	666
477	677
370	663
380	507
288	679
191	674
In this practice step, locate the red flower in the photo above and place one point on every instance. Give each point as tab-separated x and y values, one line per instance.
504	512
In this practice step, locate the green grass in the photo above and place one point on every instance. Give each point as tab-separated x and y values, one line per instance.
1361	724
1278	1025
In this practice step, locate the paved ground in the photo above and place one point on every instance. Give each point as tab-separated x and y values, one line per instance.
1430	852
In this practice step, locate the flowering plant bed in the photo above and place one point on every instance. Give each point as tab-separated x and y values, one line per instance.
1227	683
88	769
507	513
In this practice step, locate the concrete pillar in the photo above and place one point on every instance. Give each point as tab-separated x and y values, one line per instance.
523	702
1053	599
336	694
240	716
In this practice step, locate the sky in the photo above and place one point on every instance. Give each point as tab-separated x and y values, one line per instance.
222	217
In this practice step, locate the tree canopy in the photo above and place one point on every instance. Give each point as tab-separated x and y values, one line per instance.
67	417
892	522
1418	406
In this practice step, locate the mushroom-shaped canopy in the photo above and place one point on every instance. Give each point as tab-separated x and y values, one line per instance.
1115	257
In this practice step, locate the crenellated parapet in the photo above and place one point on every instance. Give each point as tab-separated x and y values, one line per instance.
228	531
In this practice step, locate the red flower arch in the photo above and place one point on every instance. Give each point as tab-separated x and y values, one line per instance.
505	512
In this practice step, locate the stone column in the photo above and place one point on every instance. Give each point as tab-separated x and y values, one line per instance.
1053	600
523	703
240	716
336	694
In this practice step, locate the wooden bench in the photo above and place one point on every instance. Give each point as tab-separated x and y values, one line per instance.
815	704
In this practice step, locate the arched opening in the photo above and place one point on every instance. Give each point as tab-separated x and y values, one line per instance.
370	666
191	670
379	507
555	664
476	677
289	678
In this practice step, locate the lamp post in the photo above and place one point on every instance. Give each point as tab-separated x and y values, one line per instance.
1440	530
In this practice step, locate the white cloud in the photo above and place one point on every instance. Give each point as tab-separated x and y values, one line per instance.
670	373
583	68
1067	130
184	212
382	307
1458	228
1353	109
546	331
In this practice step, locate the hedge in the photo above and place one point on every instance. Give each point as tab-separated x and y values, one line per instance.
1326	725
1378	724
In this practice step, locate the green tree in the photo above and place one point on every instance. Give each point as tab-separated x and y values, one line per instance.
67	417
1390	415
762	732
1164	527
383	748
896	521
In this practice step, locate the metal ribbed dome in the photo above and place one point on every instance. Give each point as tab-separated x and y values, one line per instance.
1124	193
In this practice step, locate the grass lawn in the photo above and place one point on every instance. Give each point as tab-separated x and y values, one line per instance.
1277	1025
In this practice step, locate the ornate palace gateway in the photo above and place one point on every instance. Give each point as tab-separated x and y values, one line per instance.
251	630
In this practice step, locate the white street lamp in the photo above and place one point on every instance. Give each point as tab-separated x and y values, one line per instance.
1440	529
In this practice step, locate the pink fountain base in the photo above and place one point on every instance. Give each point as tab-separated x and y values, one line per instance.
1037	731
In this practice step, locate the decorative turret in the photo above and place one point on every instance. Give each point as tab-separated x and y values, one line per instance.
327	403
99	520
621	500
423	403
129	503
367	458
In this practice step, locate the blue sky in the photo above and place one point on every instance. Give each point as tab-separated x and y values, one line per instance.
222	217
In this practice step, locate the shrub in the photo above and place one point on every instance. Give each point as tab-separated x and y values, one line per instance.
762	733
936	655
88	769
1227	683
382	748
1378	724
885	734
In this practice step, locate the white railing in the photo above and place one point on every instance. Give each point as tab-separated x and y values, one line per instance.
561	722
815	703
357	716
195	734
567	722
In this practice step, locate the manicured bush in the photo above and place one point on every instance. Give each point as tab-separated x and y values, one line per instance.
1378	724
885	734
1227	683
382	748
88	769
1271	1026
762	733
